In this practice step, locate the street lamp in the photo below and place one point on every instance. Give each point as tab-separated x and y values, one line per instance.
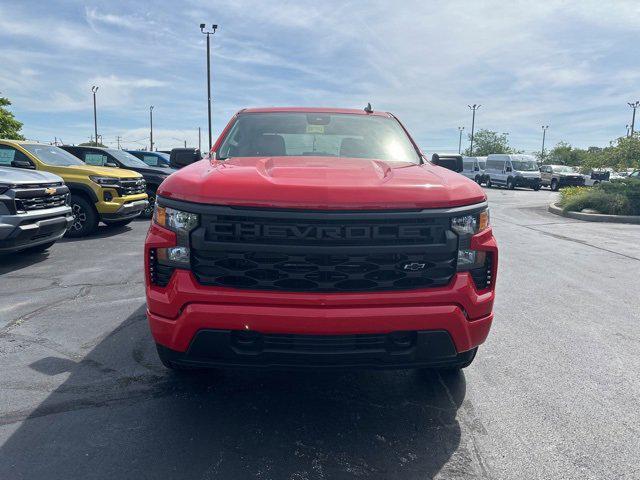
208	34
627	127
544	134
633	105
460	129
473	108
151	124
94	89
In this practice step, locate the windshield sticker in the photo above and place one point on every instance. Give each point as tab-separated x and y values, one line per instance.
315	129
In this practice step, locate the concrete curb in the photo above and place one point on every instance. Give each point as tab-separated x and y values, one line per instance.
594	217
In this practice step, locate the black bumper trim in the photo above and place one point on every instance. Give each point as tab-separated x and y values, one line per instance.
230	348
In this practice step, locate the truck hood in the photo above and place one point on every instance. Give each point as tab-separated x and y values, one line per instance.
19	176
105	171
155	170
321	183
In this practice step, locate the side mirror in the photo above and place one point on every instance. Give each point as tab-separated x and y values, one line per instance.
22	164
110	164
450	162
181	157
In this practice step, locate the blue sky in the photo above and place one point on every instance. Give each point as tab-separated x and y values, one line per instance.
571	65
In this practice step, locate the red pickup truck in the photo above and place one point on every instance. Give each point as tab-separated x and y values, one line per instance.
313	237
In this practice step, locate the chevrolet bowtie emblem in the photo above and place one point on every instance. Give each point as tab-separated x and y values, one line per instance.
50	191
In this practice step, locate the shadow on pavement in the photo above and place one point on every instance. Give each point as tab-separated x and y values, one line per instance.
11	262
119	414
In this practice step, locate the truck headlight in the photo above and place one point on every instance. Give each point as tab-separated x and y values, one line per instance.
466	226
182	223
112	182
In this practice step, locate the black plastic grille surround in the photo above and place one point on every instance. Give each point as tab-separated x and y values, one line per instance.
322	251
483	277
158	274
40	197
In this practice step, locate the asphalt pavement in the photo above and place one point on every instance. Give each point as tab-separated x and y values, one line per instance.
553	393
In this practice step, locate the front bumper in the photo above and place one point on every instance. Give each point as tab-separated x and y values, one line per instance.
179	312
126	210
30	229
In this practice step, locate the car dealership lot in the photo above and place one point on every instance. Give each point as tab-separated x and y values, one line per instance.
552	394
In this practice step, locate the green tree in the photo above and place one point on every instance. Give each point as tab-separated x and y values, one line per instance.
9	126
486	142
92	144
564	154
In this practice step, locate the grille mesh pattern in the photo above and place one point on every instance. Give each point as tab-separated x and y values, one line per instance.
132	187
323	252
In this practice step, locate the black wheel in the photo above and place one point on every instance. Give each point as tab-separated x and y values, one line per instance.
554	185
537	187
489	184
510	184
117	223
478	179
148	212
85	218
39	248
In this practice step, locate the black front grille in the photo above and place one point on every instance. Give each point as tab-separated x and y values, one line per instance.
323	252
40	197
132	187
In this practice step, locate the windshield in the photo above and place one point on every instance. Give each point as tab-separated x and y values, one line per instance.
318	134
525	163
564	169
127	159
483	165
51	155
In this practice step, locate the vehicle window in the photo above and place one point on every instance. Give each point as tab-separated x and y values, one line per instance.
482	165
562	169
52	155
324	134
95	159
151	160
468	165
7	155
495	164
525	165
127	159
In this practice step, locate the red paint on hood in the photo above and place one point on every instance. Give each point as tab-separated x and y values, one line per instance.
320	183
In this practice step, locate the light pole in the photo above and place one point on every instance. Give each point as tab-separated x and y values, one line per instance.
627	126
633	105
460	129
544	134
151	124
473	108
94	89
208	34
199	142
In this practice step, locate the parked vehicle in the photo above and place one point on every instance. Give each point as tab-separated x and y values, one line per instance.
558	176
596	177
474	168
512	171
322	238
112	196
635	174
34	208
111	157
153	159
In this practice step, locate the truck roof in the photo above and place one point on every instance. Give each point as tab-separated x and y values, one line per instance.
351	111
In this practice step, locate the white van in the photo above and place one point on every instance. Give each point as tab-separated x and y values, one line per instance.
473	168
513	171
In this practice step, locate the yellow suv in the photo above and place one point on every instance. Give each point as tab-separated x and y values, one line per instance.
112	195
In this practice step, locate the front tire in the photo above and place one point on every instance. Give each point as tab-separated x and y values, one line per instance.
510	184
489	184
554	185
85	218
536	187
148	212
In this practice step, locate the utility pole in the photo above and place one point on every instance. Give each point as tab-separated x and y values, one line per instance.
460	129
118	140
627	126
185	144
151	123
633	105
208	34
94	89
544	134
473	108
199	147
